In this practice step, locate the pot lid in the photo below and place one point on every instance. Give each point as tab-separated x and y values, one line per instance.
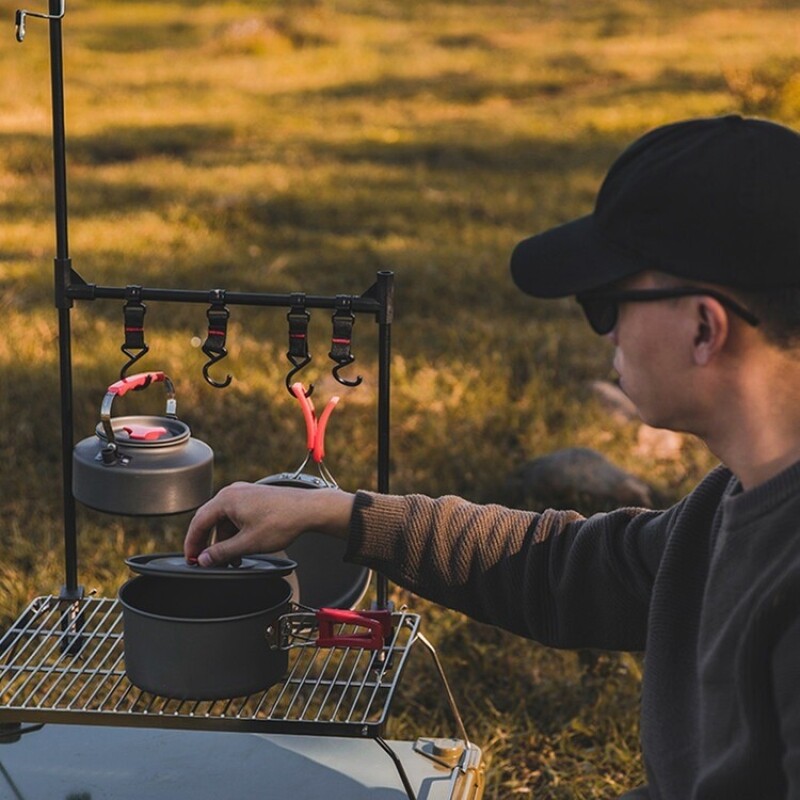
145	431
174	565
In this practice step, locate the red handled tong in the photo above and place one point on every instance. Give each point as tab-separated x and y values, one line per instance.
315	431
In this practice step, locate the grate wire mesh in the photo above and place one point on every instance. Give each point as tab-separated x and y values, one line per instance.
63	661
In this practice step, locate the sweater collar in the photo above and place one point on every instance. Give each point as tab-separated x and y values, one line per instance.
742	506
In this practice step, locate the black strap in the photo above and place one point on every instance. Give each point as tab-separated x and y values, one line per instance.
342	338
218	316
133	313
298	329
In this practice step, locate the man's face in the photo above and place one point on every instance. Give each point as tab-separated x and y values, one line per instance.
652	357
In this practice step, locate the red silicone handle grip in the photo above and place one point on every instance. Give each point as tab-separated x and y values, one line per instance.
378	624
140	380
319	441
307	404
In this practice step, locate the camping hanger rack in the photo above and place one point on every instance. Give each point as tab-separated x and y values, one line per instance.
378	301
62	658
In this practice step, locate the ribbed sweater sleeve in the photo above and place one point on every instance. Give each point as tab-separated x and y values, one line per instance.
710	588
553	576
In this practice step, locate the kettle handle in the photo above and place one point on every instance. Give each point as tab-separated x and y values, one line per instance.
136	382
139	381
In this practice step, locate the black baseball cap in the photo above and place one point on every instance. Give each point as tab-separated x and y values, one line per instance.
714	200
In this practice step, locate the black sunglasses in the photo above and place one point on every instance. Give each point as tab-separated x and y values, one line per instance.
602	308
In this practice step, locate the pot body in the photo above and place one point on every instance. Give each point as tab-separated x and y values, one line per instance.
324	578
202	639
144	477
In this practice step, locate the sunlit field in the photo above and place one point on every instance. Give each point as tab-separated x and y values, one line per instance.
304	146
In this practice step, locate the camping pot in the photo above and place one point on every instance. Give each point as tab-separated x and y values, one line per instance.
142	465
204	633
324	578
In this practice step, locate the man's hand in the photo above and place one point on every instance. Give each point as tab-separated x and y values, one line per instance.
253	518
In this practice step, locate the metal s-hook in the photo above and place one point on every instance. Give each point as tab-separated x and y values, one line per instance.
214	345
210	363
132	359
358	379
341	341
22	14
296	367
298	355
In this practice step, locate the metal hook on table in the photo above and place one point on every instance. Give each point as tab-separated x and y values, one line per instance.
22	14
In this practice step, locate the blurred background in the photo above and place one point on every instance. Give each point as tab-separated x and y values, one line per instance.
303	146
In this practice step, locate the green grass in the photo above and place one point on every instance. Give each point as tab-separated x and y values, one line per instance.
304	146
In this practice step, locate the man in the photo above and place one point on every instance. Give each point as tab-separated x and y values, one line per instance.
690	263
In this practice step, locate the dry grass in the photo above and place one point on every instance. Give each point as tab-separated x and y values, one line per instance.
304	146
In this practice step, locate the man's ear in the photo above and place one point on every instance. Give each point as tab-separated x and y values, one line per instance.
712	331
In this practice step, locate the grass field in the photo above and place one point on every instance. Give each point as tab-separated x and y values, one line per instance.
303	146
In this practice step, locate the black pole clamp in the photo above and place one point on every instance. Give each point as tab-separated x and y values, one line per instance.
342	338
298	355
133	313
214	345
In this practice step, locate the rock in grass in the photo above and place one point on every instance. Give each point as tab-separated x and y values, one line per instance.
579	478
618	405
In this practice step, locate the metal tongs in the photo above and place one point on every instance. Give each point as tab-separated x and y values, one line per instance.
315	433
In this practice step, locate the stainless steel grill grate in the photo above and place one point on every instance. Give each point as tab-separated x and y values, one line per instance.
63	661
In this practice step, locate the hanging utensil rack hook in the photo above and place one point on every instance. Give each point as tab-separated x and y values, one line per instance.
22	15
297	354
133	312
355	382
214	346
342	339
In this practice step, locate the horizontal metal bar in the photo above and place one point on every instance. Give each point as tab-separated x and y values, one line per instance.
90	291
300	727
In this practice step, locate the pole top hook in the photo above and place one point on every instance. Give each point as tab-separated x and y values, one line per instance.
23	14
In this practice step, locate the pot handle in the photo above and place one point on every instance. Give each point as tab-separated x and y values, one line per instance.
378	624
318	452
136	382
307	406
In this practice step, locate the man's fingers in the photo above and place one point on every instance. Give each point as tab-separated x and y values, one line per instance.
223	552
211	516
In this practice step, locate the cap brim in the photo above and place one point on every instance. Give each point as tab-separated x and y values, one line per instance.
569	259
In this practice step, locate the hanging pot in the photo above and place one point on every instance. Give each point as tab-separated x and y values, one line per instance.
204	633
142	465
324	578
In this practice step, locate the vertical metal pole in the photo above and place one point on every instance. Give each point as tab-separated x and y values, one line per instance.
63	272
385	296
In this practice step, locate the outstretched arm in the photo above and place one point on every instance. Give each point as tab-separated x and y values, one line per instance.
251	518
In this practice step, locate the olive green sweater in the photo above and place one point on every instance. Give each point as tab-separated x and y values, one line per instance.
709	589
